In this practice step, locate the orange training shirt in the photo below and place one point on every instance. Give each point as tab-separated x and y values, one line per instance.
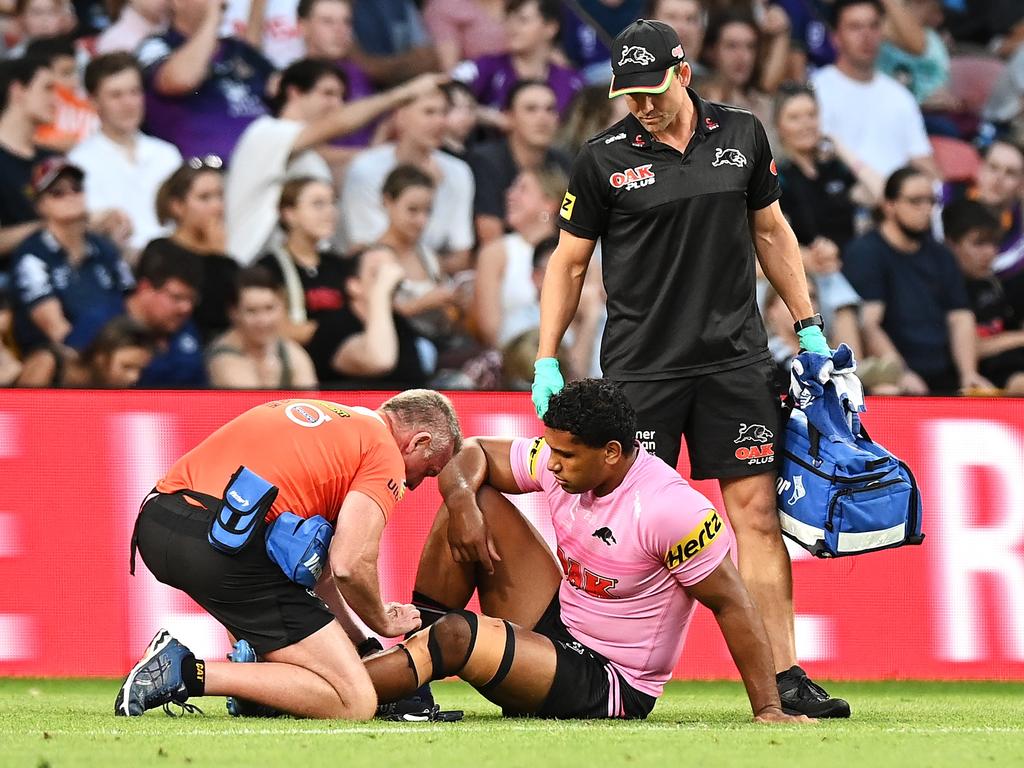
314	451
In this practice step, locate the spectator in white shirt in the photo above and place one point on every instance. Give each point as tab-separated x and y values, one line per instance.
875	117
308	113
123	167
421	129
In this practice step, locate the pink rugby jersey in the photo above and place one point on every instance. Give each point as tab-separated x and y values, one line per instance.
626	558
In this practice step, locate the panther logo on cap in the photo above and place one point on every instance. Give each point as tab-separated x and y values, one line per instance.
636	54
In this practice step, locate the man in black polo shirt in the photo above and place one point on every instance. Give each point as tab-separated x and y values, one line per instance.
682	193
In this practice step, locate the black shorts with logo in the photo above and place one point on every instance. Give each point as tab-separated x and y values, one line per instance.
247	592
732	420
585	685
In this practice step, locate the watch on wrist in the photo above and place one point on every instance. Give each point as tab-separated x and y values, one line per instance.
808	322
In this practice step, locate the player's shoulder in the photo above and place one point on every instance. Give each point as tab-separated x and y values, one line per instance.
606	141
727	118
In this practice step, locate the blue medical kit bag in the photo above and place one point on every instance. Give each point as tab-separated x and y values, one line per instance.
840	493
299	546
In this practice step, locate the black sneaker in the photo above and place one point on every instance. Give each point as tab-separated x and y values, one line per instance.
417	709
802	696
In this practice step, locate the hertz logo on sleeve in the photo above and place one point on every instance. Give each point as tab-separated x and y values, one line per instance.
568	203
535	450
694	541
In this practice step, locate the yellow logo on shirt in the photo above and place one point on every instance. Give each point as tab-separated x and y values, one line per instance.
568	202
535	450
694	541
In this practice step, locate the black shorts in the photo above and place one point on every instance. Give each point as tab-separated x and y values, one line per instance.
732	420
247	592
586	686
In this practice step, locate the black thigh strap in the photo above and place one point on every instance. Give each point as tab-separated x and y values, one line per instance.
506	661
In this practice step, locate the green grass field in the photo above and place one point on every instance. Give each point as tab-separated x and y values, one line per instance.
61	723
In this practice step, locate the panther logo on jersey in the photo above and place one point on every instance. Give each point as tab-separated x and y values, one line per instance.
729	156
605	534
636	54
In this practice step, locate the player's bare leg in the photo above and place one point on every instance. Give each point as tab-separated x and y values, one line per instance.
509	665
320	676
763	559
523	582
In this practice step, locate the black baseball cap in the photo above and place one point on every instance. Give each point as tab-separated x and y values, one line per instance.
643	57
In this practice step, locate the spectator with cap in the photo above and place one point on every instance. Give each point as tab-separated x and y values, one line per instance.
123	166
191	201
420	125
972	233
366	343
254	353
28	101
169	284
67	281
309	113
869	112
465	29
531	29
326	30
532	119
916	310
202	90
138	20
311	275
393	43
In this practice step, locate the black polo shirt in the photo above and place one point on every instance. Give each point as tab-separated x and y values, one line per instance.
677	254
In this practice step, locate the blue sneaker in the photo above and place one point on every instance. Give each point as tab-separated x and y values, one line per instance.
243	653
155	680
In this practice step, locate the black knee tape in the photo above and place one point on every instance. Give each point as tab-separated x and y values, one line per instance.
410	662
430	609
474	625
506	661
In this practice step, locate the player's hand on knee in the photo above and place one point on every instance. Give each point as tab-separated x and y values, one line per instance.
547	381
776	715
401	618
470	540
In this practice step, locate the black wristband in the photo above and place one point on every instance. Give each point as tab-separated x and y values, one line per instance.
808	322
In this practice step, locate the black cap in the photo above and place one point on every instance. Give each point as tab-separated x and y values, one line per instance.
643	56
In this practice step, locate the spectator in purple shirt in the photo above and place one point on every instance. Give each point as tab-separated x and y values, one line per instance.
202	90
326	29
531	28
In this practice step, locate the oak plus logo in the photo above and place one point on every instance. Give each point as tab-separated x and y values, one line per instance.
632	178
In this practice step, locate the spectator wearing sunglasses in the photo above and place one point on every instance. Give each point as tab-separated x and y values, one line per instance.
916	309
67	282
202	89
191	201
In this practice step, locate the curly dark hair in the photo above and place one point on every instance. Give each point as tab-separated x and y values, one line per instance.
595	412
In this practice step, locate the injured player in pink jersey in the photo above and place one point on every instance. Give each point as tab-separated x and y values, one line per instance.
595	631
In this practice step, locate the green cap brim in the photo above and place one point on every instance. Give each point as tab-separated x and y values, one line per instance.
659	87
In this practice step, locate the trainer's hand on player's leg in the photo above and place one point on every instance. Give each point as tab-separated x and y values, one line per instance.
401	618
547	380
776	715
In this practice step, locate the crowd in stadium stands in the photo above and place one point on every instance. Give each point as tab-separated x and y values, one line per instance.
364	193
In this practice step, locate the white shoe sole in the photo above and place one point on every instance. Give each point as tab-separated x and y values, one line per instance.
160	641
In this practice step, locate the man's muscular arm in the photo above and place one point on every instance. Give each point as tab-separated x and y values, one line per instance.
353	561
724	594
482	460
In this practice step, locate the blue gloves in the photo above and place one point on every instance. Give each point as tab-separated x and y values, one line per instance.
547	380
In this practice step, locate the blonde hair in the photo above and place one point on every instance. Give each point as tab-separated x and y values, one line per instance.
428	411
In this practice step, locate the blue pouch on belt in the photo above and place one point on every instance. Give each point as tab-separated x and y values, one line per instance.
247	499
299	546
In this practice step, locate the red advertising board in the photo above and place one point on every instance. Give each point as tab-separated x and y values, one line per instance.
75	465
